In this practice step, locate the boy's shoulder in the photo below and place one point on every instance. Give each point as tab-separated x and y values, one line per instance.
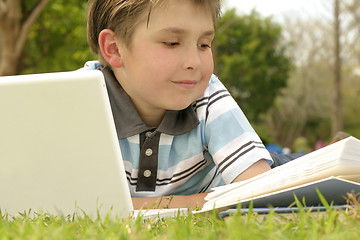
215	86
91	65
213	79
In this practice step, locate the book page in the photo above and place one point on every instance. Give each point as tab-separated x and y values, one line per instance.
341	158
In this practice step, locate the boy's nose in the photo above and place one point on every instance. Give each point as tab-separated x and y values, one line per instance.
192	59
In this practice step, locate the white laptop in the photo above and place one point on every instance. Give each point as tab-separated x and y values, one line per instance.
59	152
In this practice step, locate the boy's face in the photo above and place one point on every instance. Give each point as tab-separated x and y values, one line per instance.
169	63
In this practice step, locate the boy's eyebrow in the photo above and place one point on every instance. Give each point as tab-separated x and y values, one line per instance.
182	31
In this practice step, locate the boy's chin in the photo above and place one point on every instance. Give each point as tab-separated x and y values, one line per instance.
179	107
181	103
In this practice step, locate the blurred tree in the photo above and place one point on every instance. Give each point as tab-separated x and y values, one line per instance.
305	104
57	41
251	61
351	47
16	19
304	107
337	114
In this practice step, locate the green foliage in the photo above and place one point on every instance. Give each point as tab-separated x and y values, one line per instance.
251	61
57	41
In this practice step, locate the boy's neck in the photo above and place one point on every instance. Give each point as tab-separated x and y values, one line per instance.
152	121
152	118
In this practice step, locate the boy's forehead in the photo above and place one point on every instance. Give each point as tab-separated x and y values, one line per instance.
166	8
209	32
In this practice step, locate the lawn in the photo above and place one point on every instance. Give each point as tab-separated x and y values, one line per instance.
330	224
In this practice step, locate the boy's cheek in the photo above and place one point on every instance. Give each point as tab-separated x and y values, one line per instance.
209	68
160	59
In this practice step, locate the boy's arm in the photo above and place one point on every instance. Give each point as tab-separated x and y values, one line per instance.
257	168
177	201
196	200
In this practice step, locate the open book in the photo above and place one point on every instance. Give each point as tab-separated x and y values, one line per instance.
333	170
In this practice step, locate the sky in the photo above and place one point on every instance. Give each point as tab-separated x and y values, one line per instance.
278	8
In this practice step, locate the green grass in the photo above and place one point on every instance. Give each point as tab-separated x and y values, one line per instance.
331	224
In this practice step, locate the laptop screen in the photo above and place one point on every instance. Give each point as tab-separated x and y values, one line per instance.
59	151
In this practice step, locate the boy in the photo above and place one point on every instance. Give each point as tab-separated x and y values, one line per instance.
180	131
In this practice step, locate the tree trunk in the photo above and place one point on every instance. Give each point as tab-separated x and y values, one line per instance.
15	24
337	123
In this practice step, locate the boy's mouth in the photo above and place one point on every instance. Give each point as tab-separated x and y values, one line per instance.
187	84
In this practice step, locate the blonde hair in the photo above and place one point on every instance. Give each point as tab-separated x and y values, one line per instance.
122	17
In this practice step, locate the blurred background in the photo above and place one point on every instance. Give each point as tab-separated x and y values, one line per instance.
292	66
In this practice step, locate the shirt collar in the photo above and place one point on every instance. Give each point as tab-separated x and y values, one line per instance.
129	123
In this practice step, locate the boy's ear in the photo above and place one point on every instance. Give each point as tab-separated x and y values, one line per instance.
109	48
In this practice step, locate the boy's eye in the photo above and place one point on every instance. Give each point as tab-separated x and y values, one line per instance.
174	44
204	46
171	44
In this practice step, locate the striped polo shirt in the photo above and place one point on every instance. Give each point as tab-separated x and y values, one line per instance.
205	145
